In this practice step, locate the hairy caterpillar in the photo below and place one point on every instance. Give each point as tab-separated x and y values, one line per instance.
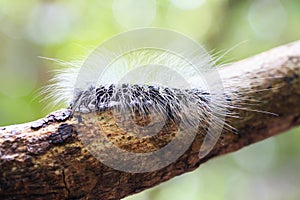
170	80
172	102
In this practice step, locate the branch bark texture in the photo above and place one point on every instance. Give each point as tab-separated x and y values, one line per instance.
46	159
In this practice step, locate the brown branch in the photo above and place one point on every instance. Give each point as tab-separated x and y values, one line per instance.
47	160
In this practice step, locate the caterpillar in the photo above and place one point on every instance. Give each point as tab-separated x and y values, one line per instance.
149	81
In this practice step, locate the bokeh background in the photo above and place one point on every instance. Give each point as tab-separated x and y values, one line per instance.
69	30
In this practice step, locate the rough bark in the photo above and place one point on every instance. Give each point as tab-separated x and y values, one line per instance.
46	159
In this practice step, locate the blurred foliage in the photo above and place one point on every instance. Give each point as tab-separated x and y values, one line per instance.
69	30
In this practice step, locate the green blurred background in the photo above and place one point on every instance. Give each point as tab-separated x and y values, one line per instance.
69	30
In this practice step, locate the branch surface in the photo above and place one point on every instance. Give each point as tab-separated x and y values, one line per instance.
46	159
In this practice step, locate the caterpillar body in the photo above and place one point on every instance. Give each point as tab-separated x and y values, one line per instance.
171	103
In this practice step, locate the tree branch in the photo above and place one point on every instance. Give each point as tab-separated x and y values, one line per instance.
46	159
